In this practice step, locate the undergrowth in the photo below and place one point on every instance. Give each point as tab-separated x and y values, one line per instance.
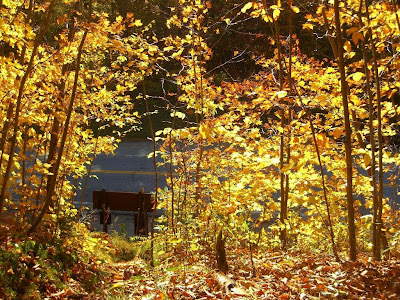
44	264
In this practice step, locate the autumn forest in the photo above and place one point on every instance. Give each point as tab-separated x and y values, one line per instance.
277	122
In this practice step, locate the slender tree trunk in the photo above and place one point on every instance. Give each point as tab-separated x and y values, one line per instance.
289	119
395	8
153	217
201	150
330	34
283	178
78	214
378	223
372	169
53	179
24	148
171	176
328	211
348	146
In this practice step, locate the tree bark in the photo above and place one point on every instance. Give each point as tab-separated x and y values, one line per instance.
153	217
372	170
222	263
284	180
348	144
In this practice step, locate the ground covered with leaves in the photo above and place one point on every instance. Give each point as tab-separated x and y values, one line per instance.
278	276
88	265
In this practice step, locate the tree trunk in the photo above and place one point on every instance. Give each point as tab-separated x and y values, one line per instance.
348	150
372	169
153	217
222	263
284	179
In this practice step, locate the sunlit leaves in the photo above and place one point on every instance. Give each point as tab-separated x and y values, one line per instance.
337	132
246	7
357	37
357	76
100	97
137	23
281	94
308	26
276	13
347	46
178	114
295	9
224	139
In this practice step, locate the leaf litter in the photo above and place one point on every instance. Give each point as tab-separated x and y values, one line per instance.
278	276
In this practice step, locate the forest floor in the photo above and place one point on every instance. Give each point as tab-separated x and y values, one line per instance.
270	276
91	265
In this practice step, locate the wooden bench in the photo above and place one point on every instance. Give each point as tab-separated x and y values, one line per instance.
141	203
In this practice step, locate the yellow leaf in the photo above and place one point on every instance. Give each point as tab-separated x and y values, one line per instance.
367	160
169	48
177	55
356	37
167	130
322	98
267	18
347	46
38	162
357	76
337	132
204	131
178	114
247	6
175	241
138	23
46	165
281	94
285	168
152	49
231	208
184	133
276	13
122	58
308	26
351	30
295	9
118	284
321	140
